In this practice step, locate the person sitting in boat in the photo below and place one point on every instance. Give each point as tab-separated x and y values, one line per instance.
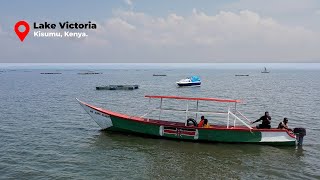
266	120
206	123
284	124
201	122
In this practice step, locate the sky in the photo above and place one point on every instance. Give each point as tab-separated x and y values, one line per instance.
224	66
166	31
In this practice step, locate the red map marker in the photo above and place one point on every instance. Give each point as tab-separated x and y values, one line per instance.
23	34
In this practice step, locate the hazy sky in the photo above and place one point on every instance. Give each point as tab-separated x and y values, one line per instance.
167	31
248	66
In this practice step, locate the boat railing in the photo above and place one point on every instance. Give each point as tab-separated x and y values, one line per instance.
229	114
150	111
189	111
238	112
236	118
181	110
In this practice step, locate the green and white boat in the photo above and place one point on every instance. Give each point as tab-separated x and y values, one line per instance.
229	133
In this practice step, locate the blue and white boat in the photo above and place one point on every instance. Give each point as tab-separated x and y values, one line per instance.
190	81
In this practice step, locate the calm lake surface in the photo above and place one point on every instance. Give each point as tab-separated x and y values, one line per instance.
45	134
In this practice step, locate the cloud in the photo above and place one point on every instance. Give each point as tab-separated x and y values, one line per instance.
1	31
274	6
317	12
129	36
128	2
225	36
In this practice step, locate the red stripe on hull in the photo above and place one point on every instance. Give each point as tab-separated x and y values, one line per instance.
170	131
188	133
179	132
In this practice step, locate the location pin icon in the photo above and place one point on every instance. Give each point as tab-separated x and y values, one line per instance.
23	34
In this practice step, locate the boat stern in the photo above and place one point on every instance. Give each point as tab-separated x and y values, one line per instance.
278	137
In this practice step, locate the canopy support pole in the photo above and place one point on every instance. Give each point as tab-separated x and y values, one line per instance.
235	112
187	114
149	107
228	116
197	110
160	108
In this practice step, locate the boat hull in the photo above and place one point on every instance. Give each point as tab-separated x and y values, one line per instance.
189	84
112	121
222	135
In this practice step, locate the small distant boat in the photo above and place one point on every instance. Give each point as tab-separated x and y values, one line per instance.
190	81
87	73
159	75
118	87
242	75
51	73
265	70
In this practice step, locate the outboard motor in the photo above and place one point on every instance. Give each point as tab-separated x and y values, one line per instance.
300	133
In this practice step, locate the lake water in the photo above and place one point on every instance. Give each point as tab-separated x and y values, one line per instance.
45	134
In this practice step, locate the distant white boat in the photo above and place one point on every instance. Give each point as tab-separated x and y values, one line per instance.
265	70
190	81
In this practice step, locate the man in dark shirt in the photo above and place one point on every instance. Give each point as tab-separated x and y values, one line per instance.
266	120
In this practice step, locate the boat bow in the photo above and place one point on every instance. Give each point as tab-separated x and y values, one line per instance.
100	116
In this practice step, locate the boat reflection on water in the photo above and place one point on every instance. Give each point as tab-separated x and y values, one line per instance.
299	151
